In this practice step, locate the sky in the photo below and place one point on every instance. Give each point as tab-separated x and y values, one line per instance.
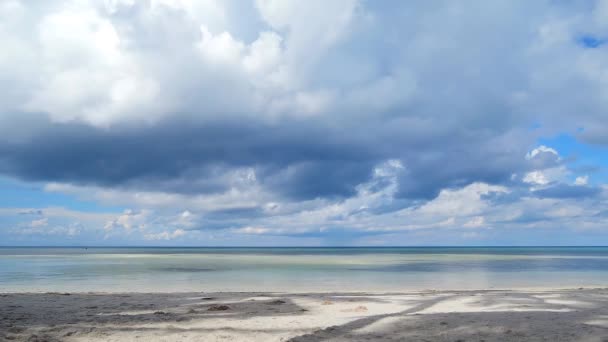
303	123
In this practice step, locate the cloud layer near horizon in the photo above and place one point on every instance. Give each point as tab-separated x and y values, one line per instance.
285	118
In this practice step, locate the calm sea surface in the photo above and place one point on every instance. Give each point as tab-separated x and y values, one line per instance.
299	269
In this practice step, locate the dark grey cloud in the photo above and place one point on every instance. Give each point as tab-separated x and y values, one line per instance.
300	160
458	165
297	159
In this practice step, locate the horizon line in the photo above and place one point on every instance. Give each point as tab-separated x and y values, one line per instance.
426	246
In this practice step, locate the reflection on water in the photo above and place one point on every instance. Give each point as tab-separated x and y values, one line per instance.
298	269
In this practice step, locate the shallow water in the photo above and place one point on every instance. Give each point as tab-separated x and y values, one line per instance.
299	269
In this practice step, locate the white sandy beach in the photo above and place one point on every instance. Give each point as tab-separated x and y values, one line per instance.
497	315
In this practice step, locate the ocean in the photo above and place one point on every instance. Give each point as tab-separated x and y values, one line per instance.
390	269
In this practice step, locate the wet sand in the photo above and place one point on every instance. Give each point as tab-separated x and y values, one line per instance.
517	315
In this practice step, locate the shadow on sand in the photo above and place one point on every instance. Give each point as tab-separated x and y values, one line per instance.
574	315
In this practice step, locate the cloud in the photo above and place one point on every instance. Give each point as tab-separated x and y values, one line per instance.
568	191
536	177
542	149
252	230
166	235
39	223
129	220
581	180
42	228
475	222
300	116
36	212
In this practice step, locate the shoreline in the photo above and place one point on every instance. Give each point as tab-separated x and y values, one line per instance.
321	291
564	314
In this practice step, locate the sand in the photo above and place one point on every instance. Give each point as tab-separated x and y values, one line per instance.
516	315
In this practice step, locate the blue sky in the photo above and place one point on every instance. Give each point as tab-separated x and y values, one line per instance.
273	123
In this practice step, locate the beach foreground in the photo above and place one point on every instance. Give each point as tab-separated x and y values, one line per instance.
518	315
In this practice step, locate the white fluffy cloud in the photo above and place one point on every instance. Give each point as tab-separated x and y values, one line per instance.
129	220
541	149
91	65
165	235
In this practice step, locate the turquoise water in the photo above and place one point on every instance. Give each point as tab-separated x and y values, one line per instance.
299	269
